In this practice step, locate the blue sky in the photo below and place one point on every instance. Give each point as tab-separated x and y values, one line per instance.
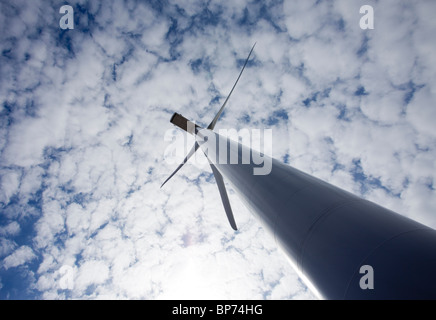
83	116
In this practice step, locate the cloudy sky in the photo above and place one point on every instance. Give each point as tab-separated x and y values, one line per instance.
84	120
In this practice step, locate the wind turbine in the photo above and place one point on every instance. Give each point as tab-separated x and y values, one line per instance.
342	246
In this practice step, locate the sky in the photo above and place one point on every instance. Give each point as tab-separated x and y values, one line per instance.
84	125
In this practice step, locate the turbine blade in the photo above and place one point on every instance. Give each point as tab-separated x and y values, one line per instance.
224	197
214	121
191	152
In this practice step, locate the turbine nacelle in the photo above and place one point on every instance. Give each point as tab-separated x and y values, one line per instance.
184	124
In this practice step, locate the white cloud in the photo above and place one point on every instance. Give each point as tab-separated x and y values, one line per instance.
19	257
91	273
12	228
6	246
421	111
50	224
9	185
302	18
